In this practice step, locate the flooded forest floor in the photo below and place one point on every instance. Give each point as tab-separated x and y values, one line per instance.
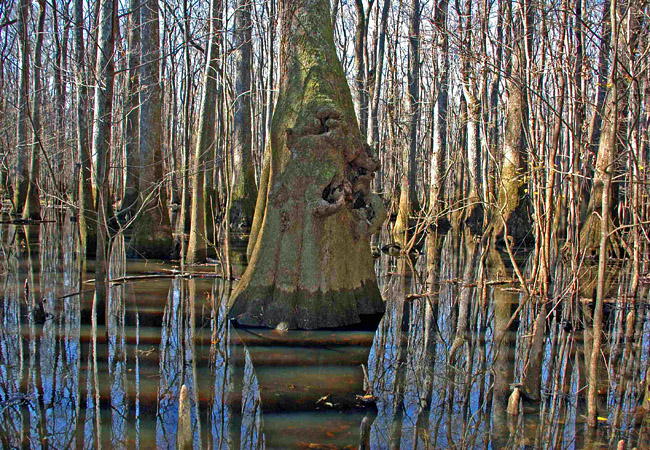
465	357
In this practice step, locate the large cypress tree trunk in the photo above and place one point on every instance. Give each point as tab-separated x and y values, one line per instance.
152	236
311	266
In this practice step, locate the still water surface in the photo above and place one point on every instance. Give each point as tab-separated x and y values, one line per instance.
78	371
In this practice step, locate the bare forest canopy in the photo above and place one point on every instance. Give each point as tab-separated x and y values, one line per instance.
526	118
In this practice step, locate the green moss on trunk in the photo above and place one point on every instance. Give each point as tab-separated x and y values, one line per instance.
311	264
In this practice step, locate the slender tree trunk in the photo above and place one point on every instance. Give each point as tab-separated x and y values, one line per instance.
373	126
132	127
60	68
101	140
512	204
87	220
439	148
408	198
244	191
474	211
198	245
183	226
23	119
263	188
601	193
360	66
32	209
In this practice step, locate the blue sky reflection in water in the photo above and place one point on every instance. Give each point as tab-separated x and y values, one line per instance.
77	371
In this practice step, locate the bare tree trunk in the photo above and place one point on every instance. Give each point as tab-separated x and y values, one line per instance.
260	204
132	138
360	65
61	58
373	126
87	221
408	198
596	123
590	234
198	245
101	141
152	236
601	193
439	147
32	209
183	226
244	191
22	133
474	212
311	266
512	202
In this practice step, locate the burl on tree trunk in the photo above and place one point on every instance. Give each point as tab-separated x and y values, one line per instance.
311	266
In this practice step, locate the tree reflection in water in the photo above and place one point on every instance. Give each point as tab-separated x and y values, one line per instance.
80	370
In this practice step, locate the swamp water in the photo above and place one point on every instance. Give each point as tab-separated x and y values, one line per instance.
82	372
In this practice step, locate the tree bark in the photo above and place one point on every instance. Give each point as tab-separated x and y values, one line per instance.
373	125
244	191
360	66
198	245
32	209
512	203
439	148
128	203
152	236
22	130
311	266
408	198
87	221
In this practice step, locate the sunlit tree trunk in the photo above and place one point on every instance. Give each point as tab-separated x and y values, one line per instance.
408	197
373	125
474	209
152	237
360	65
183	226
512	205
198	245
439	147
263	185
86	216
311	266
597	228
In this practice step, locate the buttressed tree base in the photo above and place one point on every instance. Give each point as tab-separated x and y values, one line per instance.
311	266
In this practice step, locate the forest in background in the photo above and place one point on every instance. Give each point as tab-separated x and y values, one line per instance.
528	115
